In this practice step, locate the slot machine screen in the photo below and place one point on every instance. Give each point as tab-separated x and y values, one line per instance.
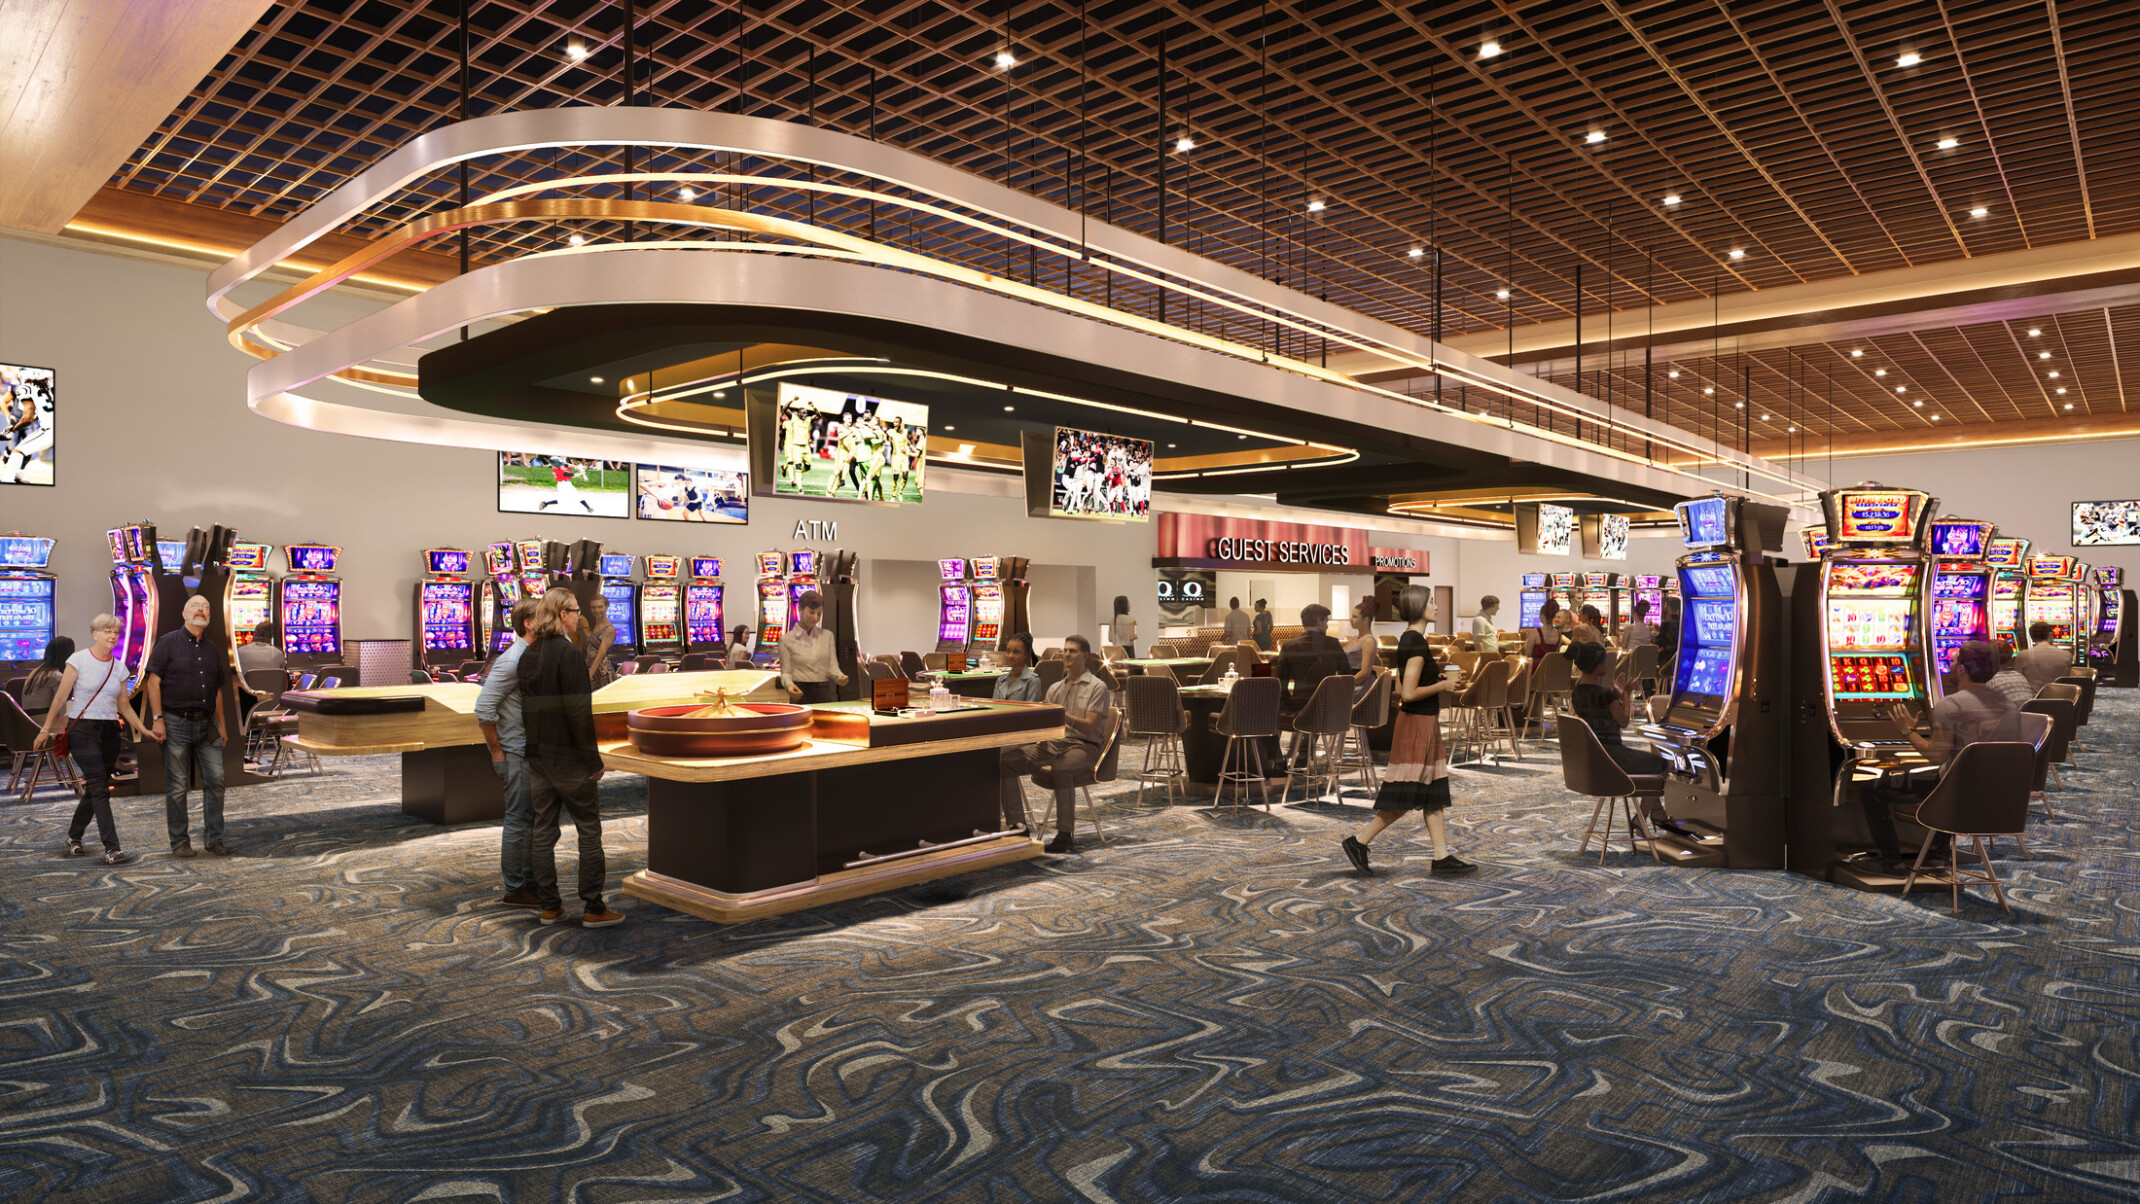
448	607
1816	541
802	561
772	564
1529	603
2052	604
657	606
116	537
530	553
1871	623
26	617
498	557
621	617
1597	581
171	551
248	608
1959	614
2047	566
702	613
312	617
1706	676
1876	516
2005	553
705	566
247	557
1712	581
955	614
1881	578
444	562
662	566
772	617
1873	677
534	585
616	564
25	551
984	568
1958	539
987	613
951	570
1716	620
311	557
1704	522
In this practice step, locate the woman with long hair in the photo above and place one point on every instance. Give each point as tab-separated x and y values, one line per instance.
1364	653
88	706
739	647
1124	626
564	762
43	682
597	637
1544	638
1418	775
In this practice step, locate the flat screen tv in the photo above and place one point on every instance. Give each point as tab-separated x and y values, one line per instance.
27	399
1090	475
692	495
822	443
531	483
1544	529
1705	522
2102	524
1605	536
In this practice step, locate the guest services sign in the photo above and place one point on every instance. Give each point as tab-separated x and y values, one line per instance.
1207	541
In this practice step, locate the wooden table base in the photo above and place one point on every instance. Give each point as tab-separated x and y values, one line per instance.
722	907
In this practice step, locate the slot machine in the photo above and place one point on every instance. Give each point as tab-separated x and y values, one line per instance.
2116	634
2008	559
28	618
176	558
2054	599
1567	589
1017	596
1531	599
136	559
497	593
1722	734
1864	657
1961	590
1816	541
445	610
802	578
705	624
534	575
986	589
311	619
249	594
617	571
954	607
1649	588
1602	590
661	606
772	606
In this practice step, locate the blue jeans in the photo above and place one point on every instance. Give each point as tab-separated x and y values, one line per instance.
192	752
516	845
558	788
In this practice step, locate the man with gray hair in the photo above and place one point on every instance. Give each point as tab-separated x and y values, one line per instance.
185	690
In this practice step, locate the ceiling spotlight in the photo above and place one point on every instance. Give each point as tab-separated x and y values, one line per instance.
1935	418
1979	211
1005	60
1736	253
722	393
1710	389
1674	374
1008	409
2069	405
2033	332
1240	436
577	240
2043	355
1909	58
688	193
1671	198
1919	403
1738	405
1415	252
947	430
1902	388
1879	372
1766	418
1184	144
1948	144
1315	206
1489	50
575	51
1793	430
1857	355
2054	374
1500	294
594	380
1170	445
2061	388
1594	137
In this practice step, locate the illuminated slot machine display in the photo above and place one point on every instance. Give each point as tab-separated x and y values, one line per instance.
2117	643
1603	591
249	595
134	593
705	624
1567	590
661	605
802	579
954	608
1721	733
617	571
445	609
2008	560
2054	598
27	615
534	575
1961	588
1531	598
772	606
986	588
1816	541
1649	588
311	605
499	590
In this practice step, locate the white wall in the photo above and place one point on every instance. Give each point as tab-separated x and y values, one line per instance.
153	425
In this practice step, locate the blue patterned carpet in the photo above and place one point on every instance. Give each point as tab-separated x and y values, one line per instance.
1213	1007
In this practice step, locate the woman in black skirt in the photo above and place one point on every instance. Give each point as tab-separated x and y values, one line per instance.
1418	775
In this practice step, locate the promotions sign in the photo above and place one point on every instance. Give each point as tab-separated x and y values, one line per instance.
1398	561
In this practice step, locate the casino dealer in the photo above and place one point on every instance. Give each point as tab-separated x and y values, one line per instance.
808	667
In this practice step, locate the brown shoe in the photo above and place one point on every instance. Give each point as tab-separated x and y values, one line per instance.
602	919
521	898
218	849
183	848
552	915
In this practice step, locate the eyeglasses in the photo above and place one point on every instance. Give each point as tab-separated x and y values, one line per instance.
570	610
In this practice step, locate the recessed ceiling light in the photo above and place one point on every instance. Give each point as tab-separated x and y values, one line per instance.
1501	294
1490	49
1674	374
1006	60
2061	388
577	240
720	392
2043	355
1594	137
1709	390
947	429
1948	144
1979	211
1935	418
1766	418
1240	436
1857	355
1170	445
688	193
1185	144
1415	252
1008	409
1738	405
594	380
1909	59
2054	374
1793	430
2069	405
1736	253
1879	372
2033	332
1919	403
575	51
1902	388
1671	198
1315	206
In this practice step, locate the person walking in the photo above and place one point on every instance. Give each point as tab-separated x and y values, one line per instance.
91	696
1418	774
564	763
186	681
498	715
1260	625
1124	626
809	667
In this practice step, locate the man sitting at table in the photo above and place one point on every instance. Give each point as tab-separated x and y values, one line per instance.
1304	662
1088	717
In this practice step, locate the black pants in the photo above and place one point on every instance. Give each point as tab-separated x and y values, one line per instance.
562	789
818	691
1877	801
94	744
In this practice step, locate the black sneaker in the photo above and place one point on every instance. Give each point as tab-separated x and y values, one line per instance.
183	848
1358	853
1452	866
1062	844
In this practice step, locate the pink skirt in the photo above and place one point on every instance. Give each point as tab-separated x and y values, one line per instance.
1418	774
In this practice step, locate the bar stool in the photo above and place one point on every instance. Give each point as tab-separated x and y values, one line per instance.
1324	721
1369	714
1156	714
1251	714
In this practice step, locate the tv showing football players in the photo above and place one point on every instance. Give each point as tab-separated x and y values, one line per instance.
27	397
1100	476
533	483
849	447
693	495
2099	524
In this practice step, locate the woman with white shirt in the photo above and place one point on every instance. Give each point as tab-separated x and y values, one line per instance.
739	648
90	717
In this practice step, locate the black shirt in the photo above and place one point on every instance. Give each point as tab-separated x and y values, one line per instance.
191	669
1593	705
1303	664
1412	644
556	702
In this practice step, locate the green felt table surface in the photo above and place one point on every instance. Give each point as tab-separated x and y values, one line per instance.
963	673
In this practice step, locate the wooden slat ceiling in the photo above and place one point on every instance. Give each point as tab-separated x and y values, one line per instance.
1788	128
